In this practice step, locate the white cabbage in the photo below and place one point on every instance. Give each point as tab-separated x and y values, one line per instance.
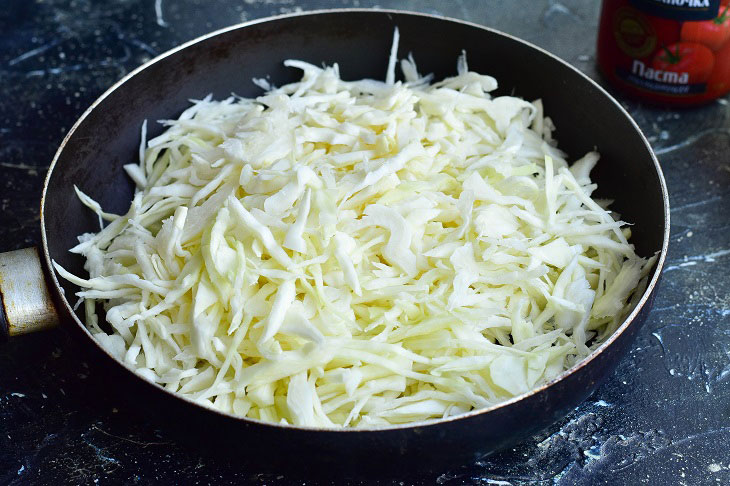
358	253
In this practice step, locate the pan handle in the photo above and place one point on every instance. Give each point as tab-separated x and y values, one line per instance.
25	303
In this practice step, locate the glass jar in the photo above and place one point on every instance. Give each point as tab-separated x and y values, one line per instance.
670	52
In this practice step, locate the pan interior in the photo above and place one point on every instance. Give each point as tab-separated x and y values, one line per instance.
108	137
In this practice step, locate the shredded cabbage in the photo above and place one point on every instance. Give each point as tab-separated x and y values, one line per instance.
357	253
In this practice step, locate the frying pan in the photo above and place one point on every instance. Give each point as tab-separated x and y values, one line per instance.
107	136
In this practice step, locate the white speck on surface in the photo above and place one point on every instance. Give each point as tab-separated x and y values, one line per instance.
672	372
710	257
603	403
158	13
713	468
689	261
592	453
556	10
16	394
19	166
681	265
686	141
695	204
34	52
22	468
689	234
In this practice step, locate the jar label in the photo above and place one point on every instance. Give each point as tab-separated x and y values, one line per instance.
662	58
660	81
680	9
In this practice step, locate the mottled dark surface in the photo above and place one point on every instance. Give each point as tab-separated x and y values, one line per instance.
663	417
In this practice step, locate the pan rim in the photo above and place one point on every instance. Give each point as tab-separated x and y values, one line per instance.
650	288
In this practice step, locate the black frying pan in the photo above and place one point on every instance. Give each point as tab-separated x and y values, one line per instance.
107	136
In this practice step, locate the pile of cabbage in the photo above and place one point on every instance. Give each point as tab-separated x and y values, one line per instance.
357	253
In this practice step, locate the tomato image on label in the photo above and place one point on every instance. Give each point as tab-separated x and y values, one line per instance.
719	81
692	62
712	33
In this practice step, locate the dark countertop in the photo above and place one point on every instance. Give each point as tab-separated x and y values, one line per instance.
662	418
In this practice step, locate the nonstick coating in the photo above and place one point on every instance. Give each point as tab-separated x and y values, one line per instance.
359	41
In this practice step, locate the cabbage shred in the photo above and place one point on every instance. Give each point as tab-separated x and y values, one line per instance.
358	253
